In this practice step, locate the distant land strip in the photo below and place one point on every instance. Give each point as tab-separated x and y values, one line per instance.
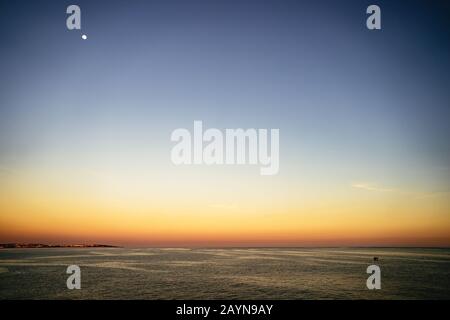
40	245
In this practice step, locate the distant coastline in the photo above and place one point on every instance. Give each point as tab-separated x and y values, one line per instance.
40	245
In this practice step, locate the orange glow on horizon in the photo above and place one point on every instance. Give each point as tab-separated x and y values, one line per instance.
56	212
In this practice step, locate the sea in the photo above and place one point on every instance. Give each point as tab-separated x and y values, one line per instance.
225	273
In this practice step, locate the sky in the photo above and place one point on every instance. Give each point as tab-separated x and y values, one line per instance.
363	116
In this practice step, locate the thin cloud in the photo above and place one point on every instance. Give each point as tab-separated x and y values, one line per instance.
377	188
371	187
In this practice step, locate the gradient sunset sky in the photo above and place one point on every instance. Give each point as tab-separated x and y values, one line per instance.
363	115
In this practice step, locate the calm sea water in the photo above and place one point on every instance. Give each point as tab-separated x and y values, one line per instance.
282	273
